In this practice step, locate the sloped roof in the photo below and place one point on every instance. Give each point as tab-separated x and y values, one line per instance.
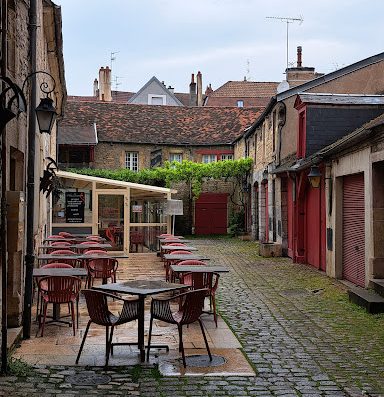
77	135
341	99
128	123
246	89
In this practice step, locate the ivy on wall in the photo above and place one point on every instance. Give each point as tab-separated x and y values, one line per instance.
188	171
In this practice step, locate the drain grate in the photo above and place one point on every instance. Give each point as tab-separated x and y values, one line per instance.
88	378
203	361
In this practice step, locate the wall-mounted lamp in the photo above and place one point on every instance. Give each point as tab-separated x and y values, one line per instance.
314	176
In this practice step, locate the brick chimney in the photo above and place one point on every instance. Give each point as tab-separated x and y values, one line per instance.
105	92
199	79
300	74
299	50
95	88
192	92
208	90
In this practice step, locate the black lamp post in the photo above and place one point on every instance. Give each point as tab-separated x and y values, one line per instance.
12	103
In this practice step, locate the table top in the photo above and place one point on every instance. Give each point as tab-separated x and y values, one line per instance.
178	248
77	246
140	287
74	238
199	269
185	257
174	240
52	271
45	257
162	237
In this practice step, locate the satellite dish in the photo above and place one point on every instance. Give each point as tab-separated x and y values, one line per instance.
283	86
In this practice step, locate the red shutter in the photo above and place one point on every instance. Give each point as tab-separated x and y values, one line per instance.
354	229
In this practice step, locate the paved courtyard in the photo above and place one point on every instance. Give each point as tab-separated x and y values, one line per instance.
296	326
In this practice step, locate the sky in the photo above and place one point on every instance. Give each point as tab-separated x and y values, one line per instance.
224	39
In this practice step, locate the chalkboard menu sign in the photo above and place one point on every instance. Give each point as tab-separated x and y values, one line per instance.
74	207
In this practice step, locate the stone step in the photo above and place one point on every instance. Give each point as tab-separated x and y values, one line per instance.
369	300
378	285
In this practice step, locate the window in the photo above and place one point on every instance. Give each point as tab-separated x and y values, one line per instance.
132	161
240	103
230	156
176	157
11	38
156	99
209	158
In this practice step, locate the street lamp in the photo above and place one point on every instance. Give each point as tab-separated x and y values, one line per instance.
12	103
314	176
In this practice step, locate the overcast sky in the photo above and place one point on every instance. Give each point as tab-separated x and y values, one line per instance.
224	39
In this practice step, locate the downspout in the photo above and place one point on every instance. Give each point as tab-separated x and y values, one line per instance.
29	257
3	226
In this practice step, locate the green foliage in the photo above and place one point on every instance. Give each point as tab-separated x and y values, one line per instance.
18	367
187	171
236	223
136	372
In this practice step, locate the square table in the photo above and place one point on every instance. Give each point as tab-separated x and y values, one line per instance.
178	247
142	288
174	240
75	246
81	257
185	257
199	269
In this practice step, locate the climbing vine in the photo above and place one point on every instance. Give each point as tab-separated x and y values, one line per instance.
188	171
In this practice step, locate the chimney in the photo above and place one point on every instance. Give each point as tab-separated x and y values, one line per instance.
105	93
208	90
95	88
171	89
192	92
299	50
199	89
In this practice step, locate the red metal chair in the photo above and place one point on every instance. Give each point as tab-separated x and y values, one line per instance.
187	262
189	311
137	238
72	262
66	235
58	290
99	313
94	237
208	281
57	244
56	236
82	250
169	262
54	265
172	244
103	268
110	234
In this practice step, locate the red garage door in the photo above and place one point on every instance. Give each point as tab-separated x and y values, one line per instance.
354	229
211	214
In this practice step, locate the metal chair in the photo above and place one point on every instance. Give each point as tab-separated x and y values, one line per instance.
103	268
189	311
99	313
168	272
187	262
58	290
66	235
208	281
72	262
82	250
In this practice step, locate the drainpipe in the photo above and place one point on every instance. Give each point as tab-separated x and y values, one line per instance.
29	256
3	225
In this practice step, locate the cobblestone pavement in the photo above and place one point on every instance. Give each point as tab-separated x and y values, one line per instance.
296	326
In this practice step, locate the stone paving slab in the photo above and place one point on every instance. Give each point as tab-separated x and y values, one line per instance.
296	326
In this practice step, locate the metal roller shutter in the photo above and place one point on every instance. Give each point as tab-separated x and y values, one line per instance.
354	229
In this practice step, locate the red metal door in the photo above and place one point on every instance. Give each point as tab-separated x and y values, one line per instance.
312	227
290	189
211	214
354	229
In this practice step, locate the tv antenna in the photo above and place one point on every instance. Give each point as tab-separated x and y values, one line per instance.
288	20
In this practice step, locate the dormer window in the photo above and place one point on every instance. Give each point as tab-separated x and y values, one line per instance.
156	99
240	103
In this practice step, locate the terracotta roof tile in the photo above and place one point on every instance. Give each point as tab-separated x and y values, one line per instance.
118	122
246	89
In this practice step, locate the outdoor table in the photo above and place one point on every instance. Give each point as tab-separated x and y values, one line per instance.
80	257
185	257
74	238
178	248
142	288
59	272
174	240
199	269
163	237
75	246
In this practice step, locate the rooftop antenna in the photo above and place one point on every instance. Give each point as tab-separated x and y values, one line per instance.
113	58
288	20
248	77
117	82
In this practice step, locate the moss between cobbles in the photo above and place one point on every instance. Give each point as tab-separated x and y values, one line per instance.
19	368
